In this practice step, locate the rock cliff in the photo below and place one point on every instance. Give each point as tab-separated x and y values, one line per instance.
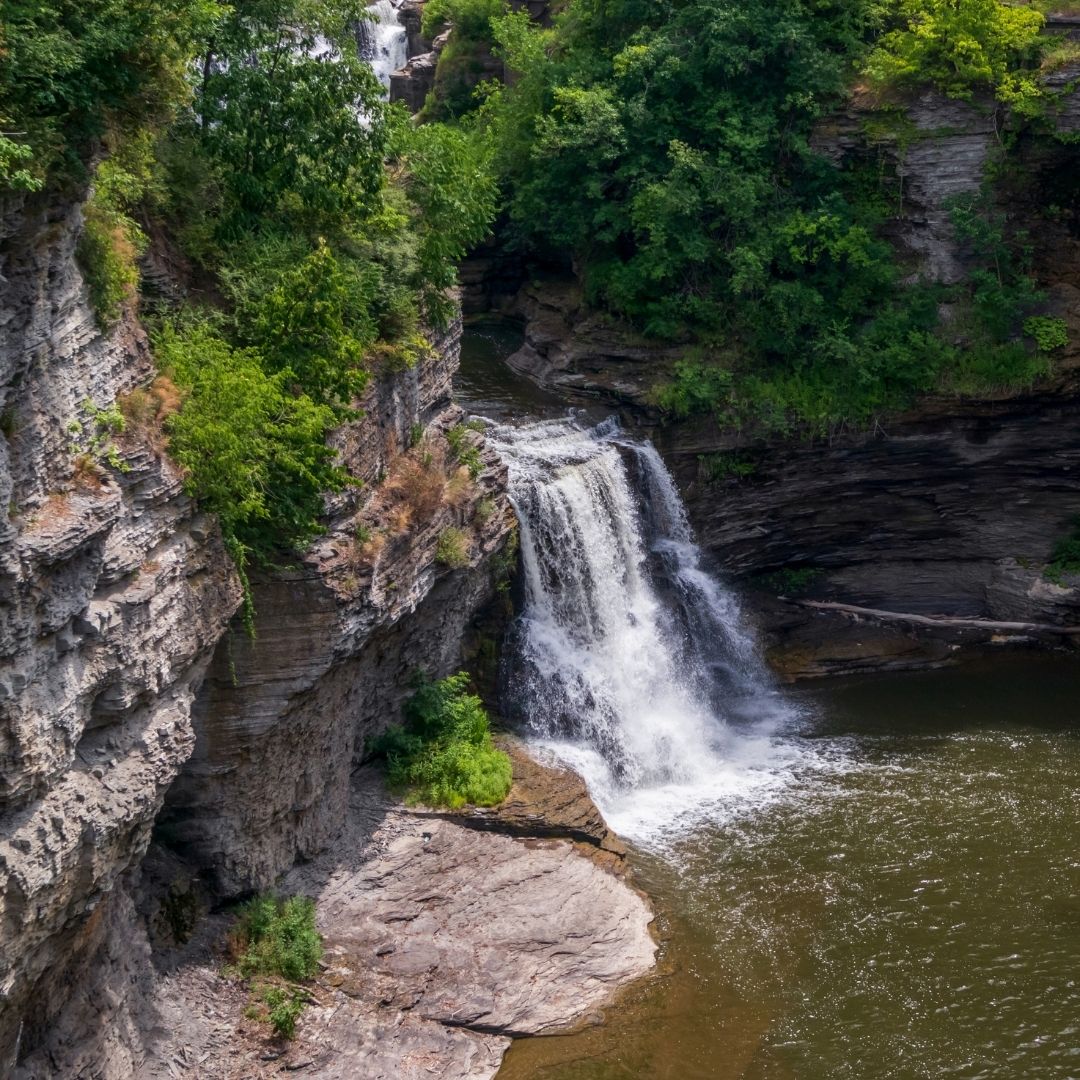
115	592
283	717
158	759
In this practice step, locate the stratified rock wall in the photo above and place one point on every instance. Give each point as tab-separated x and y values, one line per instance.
284	717
113	593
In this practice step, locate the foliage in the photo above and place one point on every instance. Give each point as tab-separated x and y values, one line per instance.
1065	557
962	46
276	936
443	754
315	325
469	18
278	1007
254	451
708	220
73	70
111	239
452	548
103	424
275	114
275	939
825	365
667	196
716	468
791	581
461	63
446	175
1048	331
463	450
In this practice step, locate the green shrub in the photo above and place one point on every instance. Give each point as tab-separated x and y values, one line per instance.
1049	333
106	252
443	754
716	468
962	46
1065	558
276	936
791	581
254	451
452	548
463	450
274	941
993	368
274	1005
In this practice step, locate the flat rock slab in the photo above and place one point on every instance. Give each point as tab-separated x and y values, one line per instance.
443	941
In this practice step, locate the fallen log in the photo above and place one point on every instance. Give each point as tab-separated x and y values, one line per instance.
940	620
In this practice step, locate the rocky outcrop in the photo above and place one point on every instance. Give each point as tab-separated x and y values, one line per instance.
284	716
950	509
443	941
114	593
412	83
581	354
936	148
411	16
118	596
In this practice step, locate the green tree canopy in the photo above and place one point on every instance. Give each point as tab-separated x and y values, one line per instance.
289	114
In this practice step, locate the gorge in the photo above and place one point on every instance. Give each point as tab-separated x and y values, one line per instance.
767	387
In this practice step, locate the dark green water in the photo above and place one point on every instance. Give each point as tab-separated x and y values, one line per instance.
910	911
486	386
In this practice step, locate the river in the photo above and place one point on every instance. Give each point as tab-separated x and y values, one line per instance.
865	878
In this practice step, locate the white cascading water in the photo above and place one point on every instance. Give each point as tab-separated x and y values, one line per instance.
629	660
383	41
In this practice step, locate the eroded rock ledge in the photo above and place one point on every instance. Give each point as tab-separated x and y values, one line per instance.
443	942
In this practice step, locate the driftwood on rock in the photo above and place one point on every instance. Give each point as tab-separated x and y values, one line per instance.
941	620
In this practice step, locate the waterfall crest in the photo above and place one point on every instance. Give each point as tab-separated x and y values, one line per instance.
629	660
382	40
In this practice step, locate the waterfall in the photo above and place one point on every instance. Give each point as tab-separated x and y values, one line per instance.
629	660
382	40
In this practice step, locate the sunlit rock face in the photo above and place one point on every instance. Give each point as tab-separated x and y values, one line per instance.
114	592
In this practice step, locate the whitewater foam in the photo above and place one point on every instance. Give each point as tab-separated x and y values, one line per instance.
383	41
630	661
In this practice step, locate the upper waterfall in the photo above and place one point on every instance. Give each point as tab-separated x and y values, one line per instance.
383	40
629	659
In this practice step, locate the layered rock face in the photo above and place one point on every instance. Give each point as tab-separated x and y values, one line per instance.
949	510
284	717
118	598
114	593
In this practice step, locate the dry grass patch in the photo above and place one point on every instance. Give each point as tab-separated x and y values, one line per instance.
417	480
146	409
87	473
459	488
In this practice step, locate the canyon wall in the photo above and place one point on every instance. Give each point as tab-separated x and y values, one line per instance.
115	591
951	508
128	683
284	716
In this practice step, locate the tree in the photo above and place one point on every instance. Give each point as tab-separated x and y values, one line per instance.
288	113
314	326
254	451
73	70
962	46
